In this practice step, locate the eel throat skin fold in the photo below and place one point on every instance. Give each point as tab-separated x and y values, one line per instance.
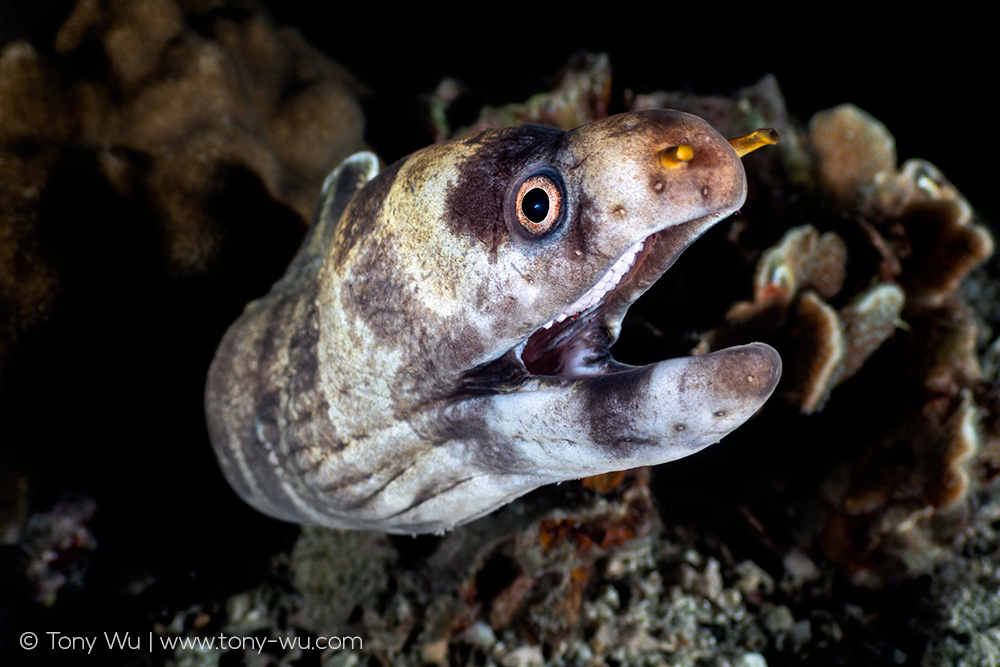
440	345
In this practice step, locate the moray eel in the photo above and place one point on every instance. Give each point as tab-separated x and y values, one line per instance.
440	344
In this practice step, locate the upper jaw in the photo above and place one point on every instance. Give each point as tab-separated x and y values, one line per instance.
662	248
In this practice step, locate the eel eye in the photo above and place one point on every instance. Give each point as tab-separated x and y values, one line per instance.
539	204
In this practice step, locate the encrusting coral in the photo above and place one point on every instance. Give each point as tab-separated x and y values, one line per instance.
792	286
925	240
886	273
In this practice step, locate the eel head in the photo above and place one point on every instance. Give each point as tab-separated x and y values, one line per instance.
441	344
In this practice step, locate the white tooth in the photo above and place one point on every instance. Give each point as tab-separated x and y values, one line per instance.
607	283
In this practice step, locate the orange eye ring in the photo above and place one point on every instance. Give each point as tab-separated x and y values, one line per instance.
538	204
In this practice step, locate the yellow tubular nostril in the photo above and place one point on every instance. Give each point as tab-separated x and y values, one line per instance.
676	155
753	141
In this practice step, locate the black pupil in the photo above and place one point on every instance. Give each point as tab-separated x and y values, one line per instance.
535	205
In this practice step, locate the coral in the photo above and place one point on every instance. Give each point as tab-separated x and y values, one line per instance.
851	148
885	274
926	241
792	286
326	567
582	95
167	126
930	228
56	544
28	277
918	219
161	154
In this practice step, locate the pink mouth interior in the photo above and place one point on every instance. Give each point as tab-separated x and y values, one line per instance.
574	343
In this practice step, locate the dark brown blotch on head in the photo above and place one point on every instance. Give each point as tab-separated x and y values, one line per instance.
362	211
475	202
613	402
487	450
378	293
441	357
391	306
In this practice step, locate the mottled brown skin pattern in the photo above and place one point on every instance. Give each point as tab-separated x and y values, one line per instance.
387	382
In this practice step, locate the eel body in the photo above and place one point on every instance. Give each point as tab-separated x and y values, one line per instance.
440	344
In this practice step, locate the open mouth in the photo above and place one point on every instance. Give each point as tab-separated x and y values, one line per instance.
576	342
